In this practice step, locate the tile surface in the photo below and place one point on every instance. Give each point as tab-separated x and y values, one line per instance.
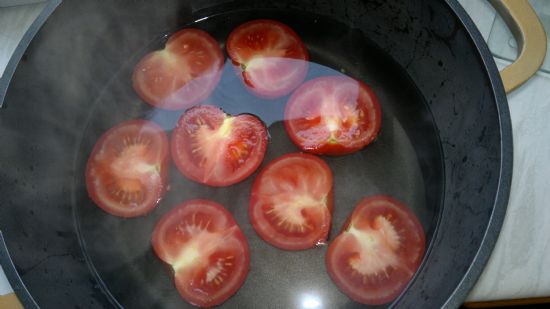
14	22
482	13
5	287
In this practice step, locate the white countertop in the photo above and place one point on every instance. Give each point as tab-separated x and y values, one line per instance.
520	263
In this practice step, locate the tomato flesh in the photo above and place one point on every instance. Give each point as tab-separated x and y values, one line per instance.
270	57
217	149
291	202
182	74
206	250
333	115
126	173
380	248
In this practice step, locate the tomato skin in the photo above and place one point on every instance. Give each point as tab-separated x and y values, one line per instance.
289	180
221	251
103	169
182	74
269	57
384	238
333	115
218	149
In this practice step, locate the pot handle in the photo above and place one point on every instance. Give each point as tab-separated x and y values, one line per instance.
530	37
10	301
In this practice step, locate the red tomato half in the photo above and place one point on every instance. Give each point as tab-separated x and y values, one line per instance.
270	56
378	252
333	115
182	74
291	202
217	149
206	250
126	174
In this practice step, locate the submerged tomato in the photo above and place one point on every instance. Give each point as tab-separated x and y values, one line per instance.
291	202
333	115
378	252
182	74
217	149
270	56
206	250
126	173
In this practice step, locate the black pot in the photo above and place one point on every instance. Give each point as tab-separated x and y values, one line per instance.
445	148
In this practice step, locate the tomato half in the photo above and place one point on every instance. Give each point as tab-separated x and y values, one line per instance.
333	115
182	74
377	253
217	149
126	174
206	250
291	202
269	55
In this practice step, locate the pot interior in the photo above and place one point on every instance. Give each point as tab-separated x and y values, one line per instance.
405	162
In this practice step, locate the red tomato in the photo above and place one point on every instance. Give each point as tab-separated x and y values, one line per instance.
291	202
126	174
217	149
377	252
182	74
333	115
271	57
206	250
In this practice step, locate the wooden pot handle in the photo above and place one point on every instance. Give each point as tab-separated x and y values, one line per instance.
10	301
530	37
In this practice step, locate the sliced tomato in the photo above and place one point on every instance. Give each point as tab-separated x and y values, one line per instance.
333	115
206	249
269	55
126	174
291	202
217	149
182	74
378	251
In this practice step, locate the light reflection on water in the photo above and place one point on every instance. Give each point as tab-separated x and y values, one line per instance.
234	98
310	301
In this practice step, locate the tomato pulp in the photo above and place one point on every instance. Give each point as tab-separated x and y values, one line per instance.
270	57
291	202
182	74
217	149
333	115
126	173
206	250
378	251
